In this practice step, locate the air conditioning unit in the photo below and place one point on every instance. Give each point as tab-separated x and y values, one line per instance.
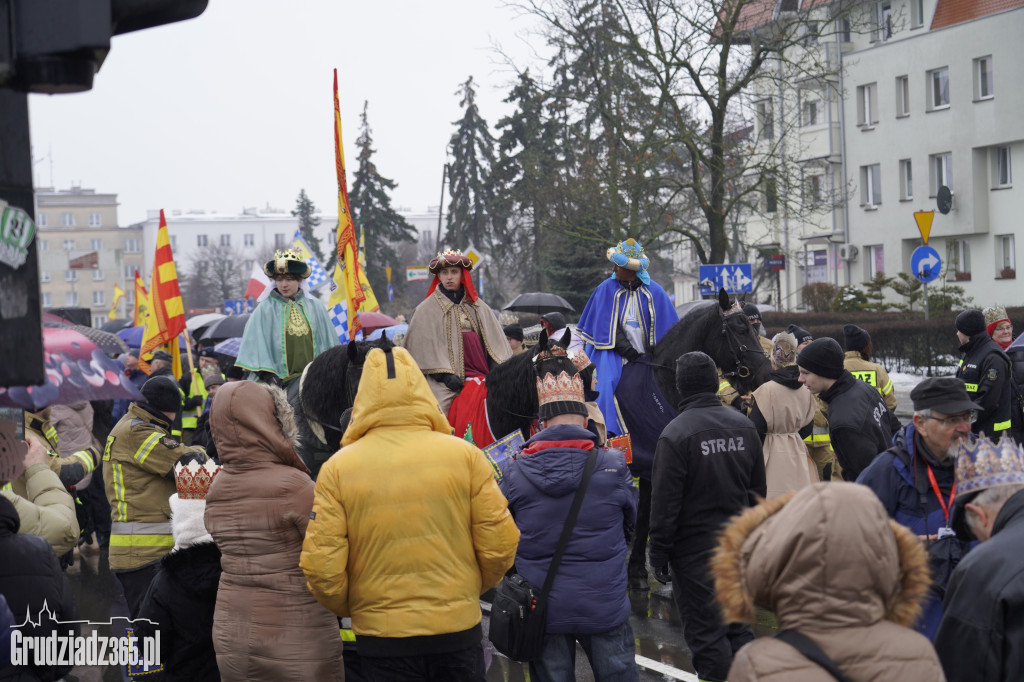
848	252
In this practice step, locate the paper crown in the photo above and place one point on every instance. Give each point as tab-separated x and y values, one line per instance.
551	388
552	353
288	262
193	479
983	464
580	359
629	254
448	258
993	314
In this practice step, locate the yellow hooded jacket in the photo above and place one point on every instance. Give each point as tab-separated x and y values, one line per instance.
408	525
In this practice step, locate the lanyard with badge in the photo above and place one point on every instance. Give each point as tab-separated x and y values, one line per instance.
944	531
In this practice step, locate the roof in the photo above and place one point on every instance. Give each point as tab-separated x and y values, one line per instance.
951	12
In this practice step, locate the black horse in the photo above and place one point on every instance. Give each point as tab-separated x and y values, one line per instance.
325	392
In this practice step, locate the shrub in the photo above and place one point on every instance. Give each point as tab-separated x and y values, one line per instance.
818	296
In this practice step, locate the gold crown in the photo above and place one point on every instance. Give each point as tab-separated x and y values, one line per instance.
983	464
563	387
580	359
552	353
193	479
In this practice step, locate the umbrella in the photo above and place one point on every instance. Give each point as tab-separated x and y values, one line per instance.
111	344
114	326
372	321
75	370
230	327
539	302
196	323
133	337
229	347
397	330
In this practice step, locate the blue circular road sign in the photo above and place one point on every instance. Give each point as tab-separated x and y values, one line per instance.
925	263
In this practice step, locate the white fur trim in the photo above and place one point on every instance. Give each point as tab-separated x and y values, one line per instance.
187	522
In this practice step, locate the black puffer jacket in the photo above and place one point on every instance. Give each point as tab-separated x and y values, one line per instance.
859	424
181	600
29	577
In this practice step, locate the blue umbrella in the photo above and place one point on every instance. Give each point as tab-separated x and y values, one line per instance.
229	347
392	331
133	337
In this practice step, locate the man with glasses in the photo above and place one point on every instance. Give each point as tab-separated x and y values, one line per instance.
985	370
915	479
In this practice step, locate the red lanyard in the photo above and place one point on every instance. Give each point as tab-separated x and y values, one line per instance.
938	493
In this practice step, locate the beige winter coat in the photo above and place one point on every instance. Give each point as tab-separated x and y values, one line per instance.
830	564
44	507
267	626
786	410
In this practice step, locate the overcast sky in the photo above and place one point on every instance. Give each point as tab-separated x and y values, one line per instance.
233	109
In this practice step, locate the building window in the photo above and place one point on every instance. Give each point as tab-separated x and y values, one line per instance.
96	244
97	275
69	244
200	240
941	171
1006	266
983	83
958	256
810	111
1001	173
248	265
225	240
766	120
845	29
279	241
938	89
44	245
771	195
174	242
906	180
132	246
249	240
129	274
813	189
71	298
67	219
44	276
871	185
810	30
47	299
874	261
41	220
98	298
902	96
867	105
917	13
884	20
71	275
95	220
98	321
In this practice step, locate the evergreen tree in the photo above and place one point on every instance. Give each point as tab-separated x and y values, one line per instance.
384	228
306	212
472	151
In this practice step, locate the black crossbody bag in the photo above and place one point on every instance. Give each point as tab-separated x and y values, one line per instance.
519	610
812	651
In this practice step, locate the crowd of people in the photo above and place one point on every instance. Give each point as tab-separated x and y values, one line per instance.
882	549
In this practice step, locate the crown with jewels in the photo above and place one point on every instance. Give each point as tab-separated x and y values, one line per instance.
580	359
552	388
983	464
287	262
552	353
193	479
448	258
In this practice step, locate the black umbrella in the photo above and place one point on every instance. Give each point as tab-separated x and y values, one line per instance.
111	344
539	302
114	326
228	328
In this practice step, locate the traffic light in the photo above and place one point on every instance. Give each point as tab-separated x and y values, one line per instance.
57	46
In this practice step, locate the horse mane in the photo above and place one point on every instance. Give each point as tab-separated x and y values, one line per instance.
511	391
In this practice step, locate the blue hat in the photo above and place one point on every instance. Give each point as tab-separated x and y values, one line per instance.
630	255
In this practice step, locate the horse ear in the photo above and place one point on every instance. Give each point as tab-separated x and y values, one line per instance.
385	342
353	352
566	339
723	299
542	343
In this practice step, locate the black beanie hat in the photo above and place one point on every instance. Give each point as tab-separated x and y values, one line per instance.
970	322
696	372
800	333
556	320
514	332
162	393
855	338
822	356
751	311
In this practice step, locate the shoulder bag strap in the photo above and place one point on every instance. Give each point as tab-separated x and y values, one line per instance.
570	521
812	651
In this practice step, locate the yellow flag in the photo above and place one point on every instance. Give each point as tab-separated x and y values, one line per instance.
118	295
141	302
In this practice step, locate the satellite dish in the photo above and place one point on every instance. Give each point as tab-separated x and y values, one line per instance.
944	199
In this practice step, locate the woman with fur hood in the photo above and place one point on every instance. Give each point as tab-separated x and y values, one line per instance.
267	625
831	565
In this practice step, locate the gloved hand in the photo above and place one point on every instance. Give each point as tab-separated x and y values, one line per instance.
631	354
662	574
741	404
452	382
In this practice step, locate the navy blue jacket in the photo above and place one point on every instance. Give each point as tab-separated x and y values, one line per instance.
892	477
590	593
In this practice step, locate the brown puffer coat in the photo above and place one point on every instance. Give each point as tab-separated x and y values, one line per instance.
830	564
267	626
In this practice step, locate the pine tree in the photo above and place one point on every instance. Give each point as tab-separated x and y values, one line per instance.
472	151
385	229
306	212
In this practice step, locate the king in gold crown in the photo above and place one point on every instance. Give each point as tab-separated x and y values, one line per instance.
984	464
553	388
194	479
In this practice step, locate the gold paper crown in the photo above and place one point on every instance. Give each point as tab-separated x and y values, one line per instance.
580	359
449	257
552	353
983	464
551	388
193	479
994	314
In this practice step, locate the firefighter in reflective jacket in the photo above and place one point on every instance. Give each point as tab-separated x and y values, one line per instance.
138	468
985	369
858	362
819	445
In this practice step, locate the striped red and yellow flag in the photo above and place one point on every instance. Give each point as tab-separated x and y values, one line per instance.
167	313
348	253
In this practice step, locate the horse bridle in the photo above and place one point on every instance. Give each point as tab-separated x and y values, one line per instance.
742	370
